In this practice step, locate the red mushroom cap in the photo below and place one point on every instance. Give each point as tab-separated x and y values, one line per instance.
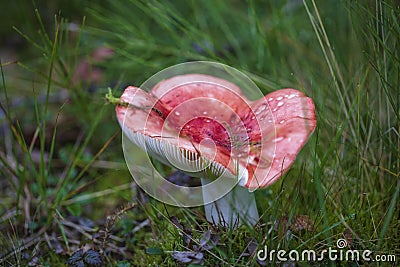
195	119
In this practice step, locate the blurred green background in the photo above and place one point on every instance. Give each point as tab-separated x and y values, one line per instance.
60	150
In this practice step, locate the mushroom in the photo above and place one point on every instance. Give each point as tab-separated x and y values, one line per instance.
204	126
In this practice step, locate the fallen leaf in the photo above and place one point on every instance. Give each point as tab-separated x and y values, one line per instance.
188	257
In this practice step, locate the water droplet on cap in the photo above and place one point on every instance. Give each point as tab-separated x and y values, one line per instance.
260	109
278	139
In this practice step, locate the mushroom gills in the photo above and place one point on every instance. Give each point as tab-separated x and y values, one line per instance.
185	160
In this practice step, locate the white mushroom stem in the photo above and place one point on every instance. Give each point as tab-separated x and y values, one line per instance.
237	207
